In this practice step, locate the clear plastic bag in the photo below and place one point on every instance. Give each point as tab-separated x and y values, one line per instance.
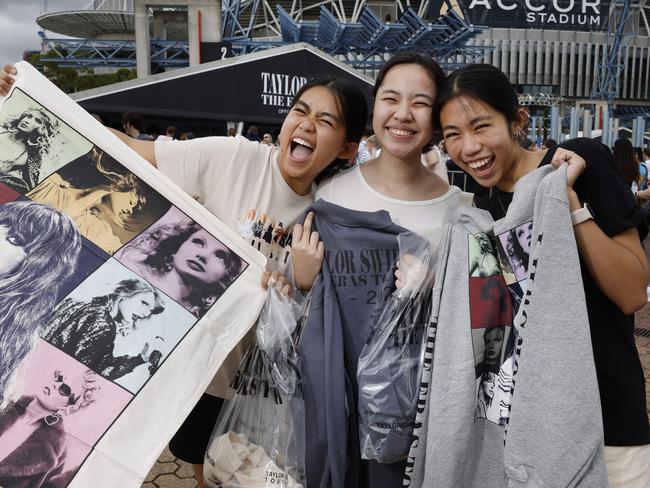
390	364
259	437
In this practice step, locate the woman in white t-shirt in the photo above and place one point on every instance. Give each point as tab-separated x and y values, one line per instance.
244	182
396	180
233	176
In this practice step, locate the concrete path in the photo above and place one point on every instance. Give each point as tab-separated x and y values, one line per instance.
170	472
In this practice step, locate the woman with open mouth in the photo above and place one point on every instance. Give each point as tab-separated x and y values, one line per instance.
481	120
232	176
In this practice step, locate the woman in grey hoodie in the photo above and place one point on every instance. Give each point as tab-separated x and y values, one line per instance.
480	118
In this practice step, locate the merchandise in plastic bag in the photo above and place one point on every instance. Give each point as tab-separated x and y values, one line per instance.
390	364
259	437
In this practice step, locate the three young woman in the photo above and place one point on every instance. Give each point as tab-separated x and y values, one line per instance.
480	118
478	112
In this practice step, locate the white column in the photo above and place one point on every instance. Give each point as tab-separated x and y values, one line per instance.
586	123
142	49
573	128
580	72
571	82
539	66
588	86
555	71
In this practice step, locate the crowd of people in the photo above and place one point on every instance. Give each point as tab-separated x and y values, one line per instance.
133	124
422	121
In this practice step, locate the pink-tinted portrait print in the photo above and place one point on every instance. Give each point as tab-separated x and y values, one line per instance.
58	413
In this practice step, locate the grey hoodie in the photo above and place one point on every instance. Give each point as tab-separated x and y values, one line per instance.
533	419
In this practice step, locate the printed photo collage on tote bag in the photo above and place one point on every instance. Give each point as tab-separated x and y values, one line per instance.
101	277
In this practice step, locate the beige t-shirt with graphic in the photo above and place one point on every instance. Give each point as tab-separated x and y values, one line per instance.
240	182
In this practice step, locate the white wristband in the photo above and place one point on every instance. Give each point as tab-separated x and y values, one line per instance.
581	215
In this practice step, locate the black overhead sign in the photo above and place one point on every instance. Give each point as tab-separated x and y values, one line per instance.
580	15
259	90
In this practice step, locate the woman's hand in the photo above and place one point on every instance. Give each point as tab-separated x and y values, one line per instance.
277	281
7	79
412	273
643	194
307	252
576	164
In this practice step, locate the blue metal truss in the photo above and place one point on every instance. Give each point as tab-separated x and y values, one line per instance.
609	72
77	53
627	112
363	41
234	14
362	44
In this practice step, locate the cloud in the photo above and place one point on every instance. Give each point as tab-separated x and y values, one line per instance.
18	27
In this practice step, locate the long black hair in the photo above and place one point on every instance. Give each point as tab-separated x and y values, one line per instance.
623	153
353	108
482	82
429	65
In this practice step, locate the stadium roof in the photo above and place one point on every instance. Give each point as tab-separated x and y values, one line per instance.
88	23
93	24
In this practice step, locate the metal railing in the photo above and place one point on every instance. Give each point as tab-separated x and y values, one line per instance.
458	178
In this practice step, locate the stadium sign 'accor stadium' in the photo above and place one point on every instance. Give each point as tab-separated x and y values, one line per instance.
586	15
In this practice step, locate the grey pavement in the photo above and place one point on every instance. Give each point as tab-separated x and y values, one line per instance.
169	472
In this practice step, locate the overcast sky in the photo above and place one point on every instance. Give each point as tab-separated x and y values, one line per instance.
18	27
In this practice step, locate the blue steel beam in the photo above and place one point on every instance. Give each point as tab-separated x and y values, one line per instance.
609	72
93	53
358	42
445	39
